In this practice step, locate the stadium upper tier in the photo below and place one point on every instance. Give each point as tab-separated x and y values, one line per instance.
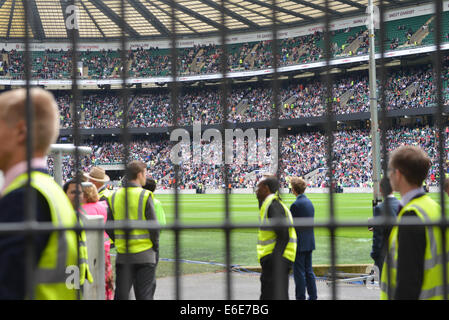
104	19
150	62
149	108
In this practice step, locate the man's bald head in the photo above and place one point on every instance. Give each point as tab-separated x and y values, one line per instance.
45	115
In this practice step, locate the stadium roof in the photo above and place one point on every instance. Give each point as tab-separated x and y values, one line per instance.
101	19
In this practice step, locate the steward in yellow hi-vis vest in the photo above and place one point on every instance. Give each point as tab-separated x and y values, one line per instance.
276	247
138	240
104	193
60	255
432	285
413	267
138	249
267	237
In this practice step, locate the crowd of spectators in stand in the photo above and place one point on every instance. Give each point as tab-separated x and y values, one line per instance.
199	59
300	154
405	89
151	62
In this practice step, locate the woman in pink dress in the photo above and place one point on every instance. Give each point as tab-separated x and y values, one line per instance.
92	206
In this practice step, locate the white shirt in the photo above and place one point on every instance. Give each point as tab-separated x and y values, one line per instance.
21	167
406	198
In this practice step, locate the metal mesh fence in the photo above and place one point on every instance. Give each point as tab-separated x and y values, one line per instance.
30	227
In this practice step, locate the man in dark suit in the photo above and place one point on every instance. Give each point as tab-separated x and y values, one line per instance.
380	234
302	267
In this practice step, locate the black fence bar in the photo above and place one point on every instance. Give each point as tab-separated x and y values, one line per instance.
30	196
383	129
329	143
127	273
441	132
174	91
21	227
275	112
224	95
73	35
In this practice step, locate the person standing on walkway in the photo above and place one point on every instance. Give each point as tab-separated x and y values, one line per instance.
137	250
92	206
413	267
276	246
73	192
150	185
99	178
302	267
388	208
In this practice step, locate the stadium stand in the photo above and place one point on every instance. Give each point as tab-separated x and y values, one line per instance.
204	59
408	88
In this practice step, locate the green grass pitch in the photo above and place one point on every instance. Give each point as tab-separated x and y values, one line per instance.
353	245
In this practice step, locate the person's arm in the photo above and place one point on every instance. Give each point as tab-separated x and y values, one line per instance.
377	235
110	233
150	215
294	210
276	212
13	257
410	270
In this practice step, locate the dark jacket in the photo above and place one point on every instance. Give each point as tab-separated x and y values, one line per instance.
380	234
411	254
303	208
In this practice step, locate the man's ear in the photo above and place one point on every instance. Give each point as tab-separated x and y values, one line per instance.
21	132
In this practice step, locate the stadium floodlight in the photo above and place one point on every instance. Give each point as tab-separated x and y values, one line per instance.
375	143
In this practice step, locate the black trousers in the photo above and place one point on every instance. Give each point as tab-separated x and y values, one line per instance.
141	276
274	279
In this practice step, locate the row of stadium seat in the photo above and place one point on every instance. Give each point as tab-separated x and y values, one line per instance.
156	62
406	88
301	153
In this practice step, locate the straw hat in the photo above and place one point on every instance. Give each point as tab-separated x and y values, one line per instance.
97	174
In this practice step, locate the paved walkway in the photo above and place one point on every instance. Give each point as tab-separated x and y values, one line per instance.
246	286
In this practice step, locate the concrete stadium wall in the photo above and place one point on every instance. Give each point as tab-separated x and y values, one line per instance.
172	191
284	190
251	191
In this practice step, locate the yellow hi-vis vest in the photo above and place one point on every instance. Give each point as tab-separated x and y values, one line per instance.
267	237
61	250
138	239
432	287
104	193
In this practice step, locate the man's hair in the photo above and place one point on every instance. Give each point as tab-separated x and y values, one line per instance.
45	114
298	185
272	183
134	168
150	185
385	186
66	185
412	162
